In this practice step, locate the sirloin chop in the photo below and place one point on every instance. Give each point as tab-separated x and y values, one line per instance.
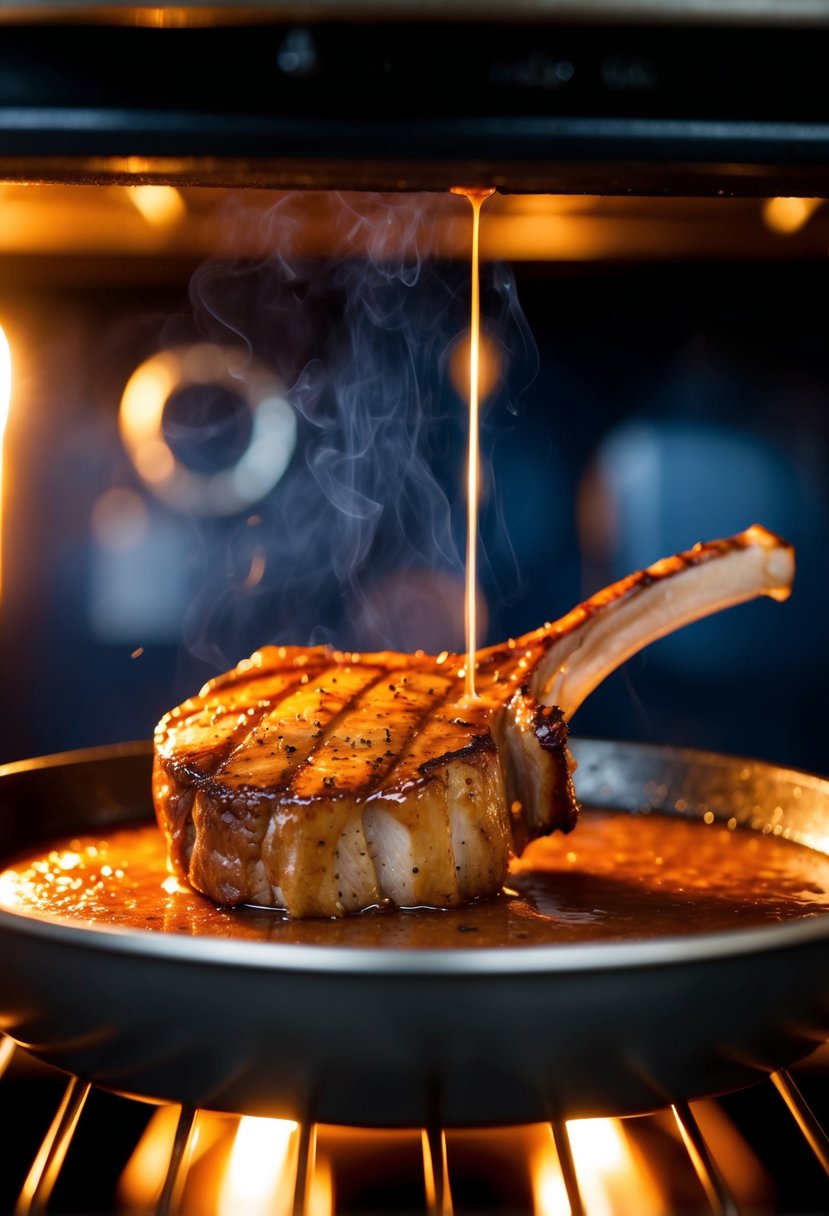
324	782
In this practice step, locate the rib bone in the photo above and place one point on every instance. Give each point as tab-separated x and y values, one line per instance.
595	638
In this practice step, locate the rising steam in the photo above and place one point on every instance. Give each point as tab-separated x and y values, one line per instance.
361	542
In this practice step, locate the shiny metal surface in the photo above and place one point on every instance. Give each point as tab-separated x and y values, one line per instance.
200	12
384	1037
612	98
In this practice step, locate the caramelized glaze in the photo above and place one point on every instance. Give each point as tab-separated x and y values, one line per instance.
618	878
327	782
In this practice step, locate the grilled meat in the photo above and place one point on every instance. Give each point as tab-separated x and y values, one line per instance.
325	782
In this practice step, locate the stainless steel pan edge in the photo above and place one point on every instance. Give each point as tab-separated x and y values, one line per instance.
397	1038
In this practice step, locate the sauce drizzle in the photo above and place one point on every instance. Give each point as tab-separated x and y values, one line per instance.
477	197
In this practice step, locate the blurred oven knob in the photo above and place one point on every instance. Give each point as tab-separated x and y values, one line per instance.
207	428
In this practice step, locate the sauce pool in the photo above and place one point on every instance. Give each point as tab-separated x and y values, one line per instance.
618	877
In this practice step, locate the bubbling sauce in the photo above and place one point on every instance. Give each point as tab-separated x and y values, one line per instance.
619	877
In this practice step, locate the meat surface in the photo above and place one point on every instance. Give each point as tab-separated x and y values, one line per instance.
325	782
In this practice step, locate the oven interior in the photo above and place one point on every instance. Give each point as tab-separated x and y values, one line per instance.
654	374
657	377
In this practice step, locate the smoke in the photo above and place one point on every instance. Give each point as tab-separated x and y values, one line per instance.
344	298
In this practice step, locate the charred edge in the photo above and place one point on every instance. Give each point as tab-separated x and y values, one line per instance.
479	746
552	733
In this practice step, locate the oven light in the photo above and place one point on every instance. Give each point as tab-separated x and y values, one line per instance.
5	403
161	206
788	215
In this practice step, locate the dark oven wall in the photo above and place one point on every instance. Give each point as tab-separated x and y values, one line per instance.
634	403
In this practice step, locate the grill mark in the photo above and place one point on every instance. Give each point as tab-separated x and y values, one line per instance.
201	702
405	751
239	737
279	787
406	746
382	674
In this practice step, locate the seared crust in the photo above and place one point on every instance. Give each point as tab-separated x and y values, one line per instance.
325	782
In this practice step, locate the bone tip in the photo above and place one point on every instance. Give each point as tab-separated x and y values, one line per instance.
780	563
756	534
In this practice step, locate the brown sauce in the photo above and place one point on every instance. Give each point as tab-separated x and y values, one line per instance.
618	877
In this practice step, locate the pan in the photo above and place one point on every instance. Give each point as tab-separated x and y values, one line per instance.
393	1037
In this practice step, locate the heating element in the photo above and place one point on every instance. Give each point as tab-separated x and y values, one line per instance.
687	1158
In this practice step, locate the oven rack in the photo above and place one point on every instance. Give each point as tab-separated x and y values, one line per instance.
38	1188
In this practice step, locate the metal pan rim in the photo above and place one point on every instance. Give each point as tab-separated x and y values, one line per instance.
481	962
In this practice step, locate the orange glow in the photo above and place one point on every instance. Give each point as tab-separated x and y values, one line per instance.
258	562
237	1167
435	1170
319	1198
549	1191
608	1168
142	408
143	1175
736	1160
161	206
260	1176
477	198
228	490
142	1179
788	215
5	404
490	367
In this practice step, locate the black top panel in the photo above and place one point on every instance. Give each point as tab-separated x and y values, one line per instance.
404	104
